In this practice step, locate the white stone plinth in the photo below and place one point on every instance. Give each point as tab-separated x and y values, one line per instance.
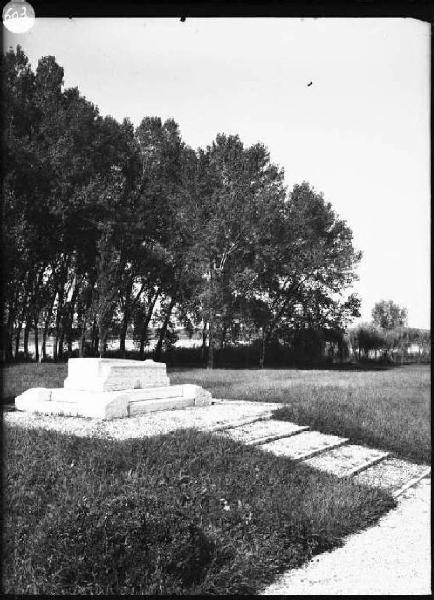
109	389
111	374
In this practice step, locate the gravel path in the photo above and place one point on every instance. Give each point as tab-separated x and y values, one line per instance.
390	558
206	417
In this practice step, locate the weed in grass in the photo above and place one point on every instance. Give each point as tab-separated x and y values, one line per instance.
186	512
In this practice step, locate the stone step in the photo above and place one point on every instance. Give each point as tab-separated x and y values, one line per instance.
140	407
58	401
261	432
67	409
73	408
154	393
347	460
394	475
228	423
303	445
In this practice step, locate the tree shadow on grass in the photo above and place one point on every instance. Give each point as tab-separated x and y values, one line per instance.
187	512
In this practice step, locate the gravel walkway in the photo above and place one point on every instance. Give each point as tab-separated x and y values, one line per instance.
391	558
206	418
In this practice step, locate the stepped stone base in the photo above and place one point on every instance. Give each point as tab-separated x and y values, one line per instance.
110	388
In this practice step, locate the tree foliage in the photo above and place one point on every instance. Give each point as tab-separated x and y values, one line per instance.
108	227
387	315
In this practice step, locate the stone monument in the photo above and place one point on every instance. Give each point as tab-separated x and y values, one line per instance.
108	388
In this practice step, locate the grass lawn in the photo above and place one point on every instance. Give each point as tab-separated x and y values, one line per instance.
190	512
17	378
184	513
388	409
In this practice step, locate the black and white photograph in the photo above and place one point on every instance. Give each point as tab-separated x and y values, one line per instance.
216	344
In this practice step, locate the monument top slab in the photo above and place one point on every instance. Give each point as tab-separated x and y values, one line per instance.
117	361
109	374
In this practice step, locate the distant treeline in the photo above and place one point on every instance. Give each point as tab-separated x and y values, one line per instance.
394	344
109	228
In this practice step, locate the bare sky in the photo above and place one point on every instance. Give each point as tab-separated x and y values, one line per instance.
359	133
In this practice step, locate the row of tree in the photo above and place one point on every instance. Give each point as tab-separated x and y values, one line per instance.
388	335
107	227
368	341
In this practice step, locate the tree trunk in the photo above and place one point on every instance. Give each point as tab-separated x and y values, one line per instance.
44	338
67	328
7	341
8	347
210	363
94	339
17	338
223	337
68	333
60	349
45	331
82	343
163	330
143	331
70	320
95	348
128	305
84	306
263	346
204	338
35	324
145	324
142	343
123	332
102	336
21	315
58	327
26	341
69	343
8	332
56	342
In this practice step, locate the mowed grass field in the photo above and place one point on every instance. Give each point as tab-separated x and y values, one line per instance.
387	408
183	513
190	512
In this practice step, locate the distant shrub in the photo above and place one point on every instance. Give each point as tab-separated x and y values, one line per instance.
241	356
366	338
21	357
182	356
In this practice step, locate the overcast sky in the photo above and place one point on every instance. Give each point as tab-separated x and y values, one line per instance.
359	133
